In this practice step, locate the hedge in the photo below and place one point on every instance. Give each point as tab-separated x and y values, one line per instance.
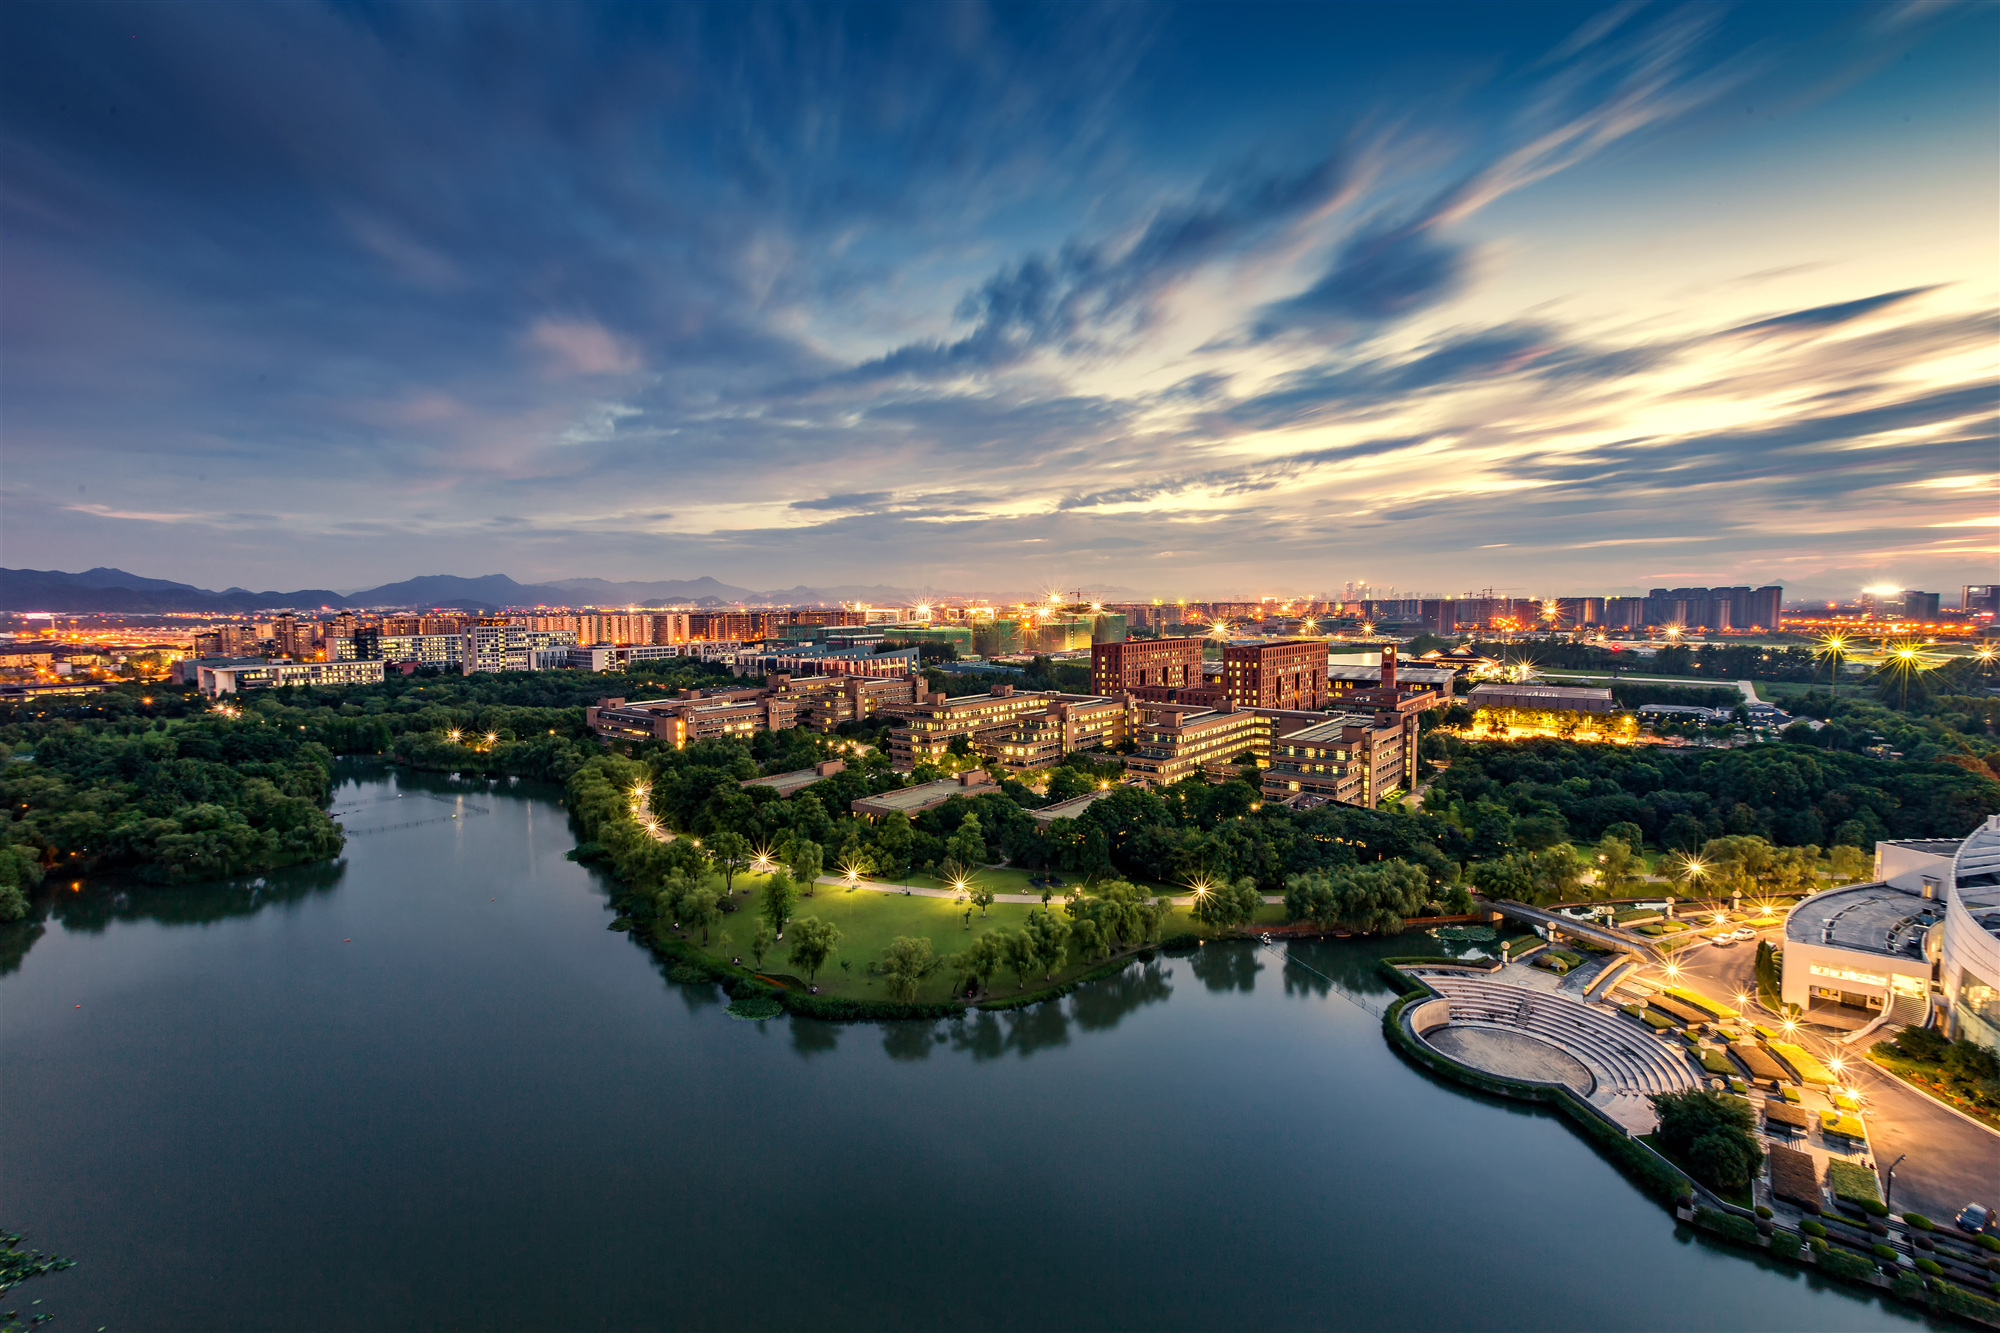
1715	1062
1930	1267
1657	1022
1739	1229
1701	1001
1919	1221
1844	1263
1851	1182
1812	1228
1834	1122
1809	1069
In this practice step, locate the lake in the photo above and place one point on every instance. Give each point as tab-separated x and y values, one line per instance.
427	1088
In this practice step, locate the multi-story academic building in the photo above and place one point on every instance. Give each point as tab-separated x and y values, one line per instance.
1146	664
1288	673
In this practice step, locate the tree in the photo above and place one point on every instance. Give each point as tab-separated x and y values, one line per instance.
906	962
806	863
1019	949
779	900
1628	833
731	851
1048	936
1509	876
702	908
1615	859
1848	863
812	941
893	840
982	958
760	944
1712	1132
968	845
1310	897
1087	939
1227	905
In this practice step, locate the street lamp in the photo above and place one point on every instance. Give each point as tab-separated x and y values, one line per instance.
1889	1187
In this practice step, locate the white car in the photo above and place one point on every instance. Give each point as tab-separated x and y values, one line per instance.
1743	933
1722	941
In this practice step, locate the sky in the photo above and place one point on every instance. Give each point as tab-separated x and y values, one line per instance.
1176	301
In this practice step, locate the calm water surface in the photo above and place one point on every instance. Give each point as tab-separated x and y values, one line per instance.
429	1089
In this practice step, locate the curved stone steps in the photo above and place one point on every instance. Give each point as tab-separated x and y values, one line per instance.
1626	1064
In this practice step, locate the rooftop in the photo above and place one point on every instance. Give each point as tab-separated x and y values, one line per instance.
910	800
1421	675
1552	693
1069	809
1871	918
1934	846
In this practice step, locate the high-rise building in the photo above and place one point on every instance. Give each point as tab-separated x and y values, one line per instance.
1980	599
1920	605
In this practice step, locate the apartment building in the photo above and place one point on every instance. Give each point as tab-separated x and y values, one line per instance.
491	644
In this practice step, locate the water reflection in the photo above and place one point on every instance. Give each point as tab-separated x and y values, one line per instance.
985	1035
1228	967
812	1037
92	911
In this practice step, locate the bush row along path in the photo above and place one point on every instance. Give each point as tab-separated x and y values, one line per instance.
842	882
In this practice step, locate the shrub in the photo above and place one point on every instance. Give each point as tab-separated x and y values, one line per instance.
1986	1242
1919	1221
1762	1211
1785	1244
1930	1267
1875	1207
1812	1228
1739	1229
685	974
1817	1244
1842	1263
1882	1251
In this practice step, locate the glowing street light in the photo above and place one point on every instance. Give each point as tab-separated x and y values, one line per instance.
492	736
452	736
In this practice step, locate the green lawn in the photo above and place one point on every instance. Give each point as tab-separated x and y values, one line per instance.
869	919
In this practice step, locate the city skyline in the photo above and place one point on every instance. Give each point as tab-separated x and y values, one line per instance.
1223	302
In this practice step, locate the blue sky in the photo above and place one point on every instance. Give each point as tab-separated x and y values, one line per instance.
1190	301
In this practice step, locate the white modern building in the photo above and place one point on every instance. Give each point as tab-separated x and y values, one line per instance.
217	679
1924	934
510	647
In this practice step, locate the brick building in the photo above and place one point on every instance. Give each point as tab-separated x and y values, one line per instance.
1290	673
1141	664
1068	723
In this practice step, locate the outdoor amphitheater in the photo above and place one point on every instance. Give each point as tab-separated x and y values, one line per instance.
1534	1036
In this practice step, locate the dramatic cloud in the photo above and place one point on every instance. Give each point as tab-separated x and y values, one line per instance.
1185	300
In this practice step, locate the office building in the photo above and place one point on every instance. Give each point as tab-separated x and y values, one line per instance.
1920	606
1980	599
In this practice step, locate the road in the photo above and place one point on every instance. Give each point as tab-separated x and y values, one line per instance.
1951	1162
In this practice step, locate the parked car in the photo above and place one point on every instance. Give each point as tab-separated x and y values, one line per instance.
1974	1217
1722	941
1743	933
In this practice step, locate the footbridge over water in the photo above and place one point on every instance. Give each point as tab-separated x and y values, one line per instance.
1609	937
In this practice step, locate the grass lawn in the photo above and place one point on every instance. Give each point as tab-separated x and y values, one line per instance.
869	919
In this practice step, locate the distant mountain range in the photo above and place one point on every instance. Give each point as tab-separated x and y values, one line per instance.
115	590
